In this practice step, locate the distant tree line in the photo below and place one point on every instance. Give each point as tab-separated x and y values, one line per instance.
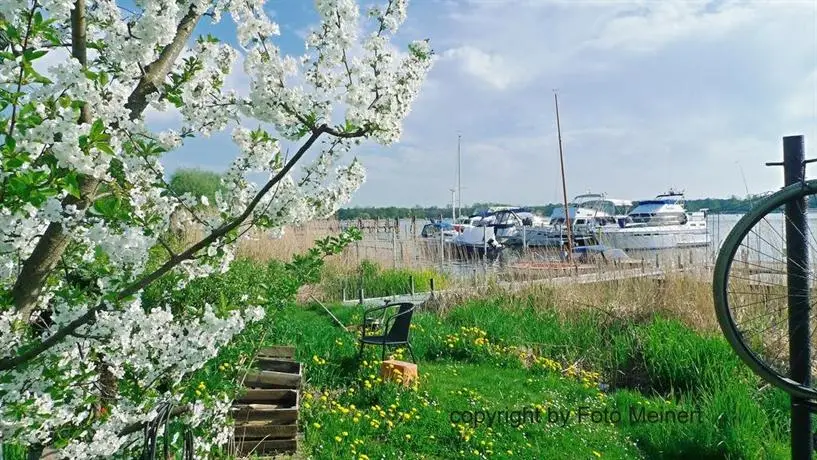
205	183
733	205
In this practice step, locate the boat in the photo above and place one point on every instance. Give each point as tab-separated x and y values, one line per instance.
660	223
432	230
478	240
589	211
510	222
586	213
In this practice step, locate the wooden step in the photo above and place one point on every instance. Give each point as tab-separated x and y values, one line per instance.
280	352
264	430
273	446
278	365
276	415
272	380
281	397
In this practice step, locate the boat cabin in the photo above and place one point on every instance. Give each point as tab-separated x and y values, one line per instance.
434	228
665	209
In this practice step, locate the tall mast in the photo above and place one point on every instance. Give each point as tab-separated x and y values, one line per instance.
564	185
459	174
453	205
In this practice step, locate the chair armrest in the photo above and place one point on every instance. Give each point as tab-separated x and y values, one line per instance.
374	309
366	313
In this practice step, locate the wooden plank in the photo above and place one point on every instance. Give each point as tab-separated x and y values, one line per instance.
266	447
264	413
281	351
272	380
264	430
280	397
278	365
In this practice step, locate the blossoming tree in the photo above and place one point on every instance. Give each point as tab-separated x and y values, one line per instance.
83	196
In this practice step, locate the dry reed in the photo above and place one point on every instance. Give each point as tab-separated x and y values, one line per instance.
685	296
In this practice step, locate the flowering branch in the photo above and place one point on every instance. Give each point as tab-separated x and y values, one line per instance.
85	212
54	241
87	317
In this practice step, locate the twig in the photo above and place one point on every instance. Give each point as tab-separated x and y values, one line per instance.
343	326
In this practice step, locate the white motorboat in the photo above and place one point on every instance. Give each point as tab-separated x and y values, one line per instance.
477	241
510	222
661	223
587	213
590	211
431	231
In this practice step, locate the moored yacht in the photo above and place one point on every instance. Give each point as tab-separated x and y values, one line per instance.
509	222
586	212
487	229
589	211
432	230
661	223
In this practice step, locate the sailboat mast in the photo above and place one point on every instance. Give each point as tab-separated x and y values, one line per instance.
564	184
459	174
453	206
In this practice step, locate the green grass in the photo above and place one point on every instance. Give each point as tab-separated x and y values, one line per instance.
378	281
495	354
670	367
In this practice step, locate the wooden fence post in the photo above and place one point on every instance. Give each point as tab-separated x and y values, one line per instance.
394	247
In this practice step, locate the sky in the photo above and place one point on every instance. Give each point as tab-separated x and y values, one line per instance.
687	94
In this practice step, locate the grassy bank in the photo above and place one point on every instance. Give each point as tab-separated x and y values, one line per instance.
503	354
377	281
578	356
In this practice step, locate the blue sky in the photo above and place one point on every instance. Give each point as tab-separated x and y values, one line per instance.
652	94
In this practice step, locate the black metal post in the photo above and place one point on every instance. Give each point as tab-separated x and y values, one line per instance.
798	297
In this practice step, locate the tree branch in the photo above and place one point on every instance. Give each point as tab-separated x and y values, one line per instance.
54	241
156	71
133	288
22	69
52	244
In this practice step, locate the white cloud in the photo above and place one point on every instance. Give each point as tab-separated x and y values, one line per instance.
650	26
652	94
493	69
803	102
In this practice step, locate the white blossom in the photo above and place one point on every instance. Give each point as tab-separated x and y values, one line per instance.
80	126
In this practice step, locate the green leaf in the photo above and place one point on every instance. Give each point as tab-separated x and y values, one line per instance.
97	128
105	147
31	55
12	32
11	144
108	206
37	77
14	163
72	185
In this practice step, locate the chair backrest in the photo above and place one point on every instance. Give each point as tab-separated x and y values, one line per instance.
399	330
